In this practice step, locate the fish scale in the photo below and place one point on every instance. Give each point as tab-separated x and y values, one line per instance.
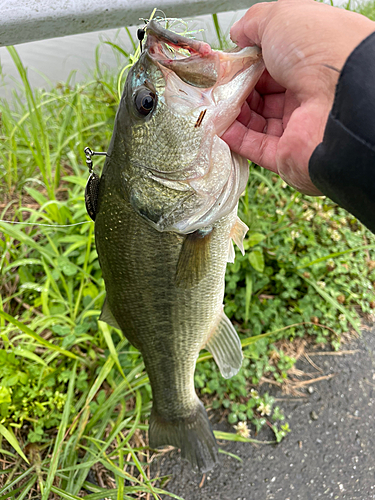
174	139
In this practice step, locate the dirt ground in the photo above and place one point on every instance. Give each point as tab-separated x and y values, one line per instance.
330	452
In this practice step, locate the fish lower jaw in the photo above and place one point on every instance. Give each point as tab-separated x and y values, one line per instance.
230	97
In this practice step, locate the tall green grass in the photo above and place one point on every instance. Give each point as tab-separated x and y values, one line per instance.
63	389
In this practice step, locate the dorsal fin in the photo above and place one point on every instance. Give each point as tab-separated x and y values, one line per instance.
225	347
107	316
193	259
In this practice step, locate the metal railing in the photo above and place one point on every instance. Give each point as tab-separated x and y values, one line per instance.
30	20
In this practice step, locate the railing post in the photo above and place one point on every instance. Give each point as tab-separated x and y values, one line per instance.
30	20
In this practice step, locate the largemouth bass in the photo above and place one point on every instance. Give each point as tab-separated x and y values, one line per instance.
165	217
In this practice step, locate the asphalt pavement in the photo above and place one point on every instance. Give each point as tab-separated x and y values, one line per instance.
329	453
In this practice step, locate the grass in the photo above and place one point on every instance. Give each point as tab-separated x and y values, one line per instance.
74	396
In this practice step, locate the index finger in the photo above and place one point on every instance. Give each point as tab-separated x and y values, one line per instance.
256	146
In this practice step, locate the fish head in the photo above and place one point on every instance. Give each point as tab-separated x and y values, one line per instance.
179	99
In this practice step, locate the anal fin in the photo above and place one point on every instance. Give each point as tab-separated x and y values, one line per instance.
225	347
107	316
193	259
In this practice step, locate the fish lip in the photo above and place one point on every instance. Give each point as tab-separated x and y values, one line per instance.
157	37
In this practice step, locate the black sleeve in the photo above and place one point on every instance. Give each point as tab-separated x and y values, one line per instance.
343	165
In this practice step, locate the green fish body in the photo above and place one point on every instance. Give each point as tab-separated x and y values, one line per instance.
164	223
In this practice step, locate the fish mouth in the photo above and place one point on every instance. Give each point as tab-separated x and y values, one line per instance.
196	64
218	75
157	34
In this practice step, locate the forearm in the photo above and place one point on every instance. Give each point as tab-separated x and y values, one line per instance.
343	164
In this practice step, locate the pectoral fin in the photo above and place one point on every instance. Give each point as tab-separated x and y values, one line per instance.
107	316
238	233
225	347
193	259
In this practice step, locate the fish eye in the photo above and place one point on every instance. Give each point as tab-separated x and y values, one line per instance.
145	101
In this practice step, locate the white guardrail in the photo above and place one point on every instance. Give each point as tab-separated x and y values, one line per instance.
30	20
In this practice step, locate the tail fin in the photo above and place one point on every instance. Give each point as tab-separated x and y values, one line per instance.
193	436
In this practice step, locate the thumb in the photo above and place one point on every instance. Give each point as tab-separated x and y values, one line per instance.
249	29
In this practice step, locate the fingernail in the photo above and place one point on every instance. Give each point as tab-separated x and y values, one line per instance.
231	32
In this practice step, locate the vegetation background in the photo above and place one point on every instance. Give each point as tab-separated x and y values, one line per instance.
74	396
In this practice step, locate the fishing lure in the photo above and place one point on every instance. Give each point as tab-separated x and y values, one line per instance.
92	186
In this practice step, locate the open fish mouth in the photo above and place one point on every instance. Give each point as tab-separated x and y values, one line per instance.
208	65
196	64
157	34
220	75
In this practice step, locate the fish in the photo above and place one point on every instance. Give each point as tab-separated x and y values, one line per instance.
165	222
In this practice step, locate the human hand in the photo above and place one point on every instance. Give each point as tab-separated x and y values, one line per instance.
305	45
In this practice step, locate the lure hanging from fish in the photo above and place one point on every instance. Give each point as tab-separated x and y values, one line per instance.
92	186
